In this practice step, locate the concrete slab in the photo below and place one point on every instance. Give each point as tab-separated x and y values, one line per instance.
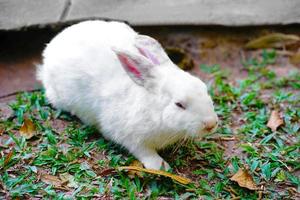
191	12
23	13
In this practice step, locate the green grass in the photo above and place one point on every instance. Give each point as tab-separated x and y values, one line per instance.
80	153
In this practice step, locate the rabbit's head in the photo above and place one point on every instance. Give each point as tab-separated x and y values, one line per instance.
182	100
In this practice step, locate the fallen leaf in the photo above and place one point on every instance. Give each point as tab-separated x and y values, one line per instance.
8	158
295	58
69	179
28	129
52	180
177	178
106	172
273	40
274	121
244	179
132	173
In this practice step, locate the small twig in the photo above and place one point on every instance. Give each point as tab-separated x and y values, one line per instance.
221	147
231	193
232	190
259	195
223	138
228	138
61	188
3	146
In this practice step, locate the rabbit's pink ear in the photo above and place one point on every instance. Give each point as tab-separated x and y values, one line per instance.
151	49
145	52
137	67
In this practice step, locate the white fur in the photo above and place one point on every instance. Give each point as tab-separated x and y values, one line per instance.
83	75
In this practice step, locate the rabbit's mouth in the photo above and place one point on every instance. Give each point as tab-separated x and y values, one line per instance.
212	130
204	132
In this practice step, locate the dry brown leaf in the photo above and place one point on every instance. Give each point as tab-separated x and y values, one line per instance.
69	179
273	40
132	173
274	121
53	180
295	58
244	179
177	178
108	171
28	129
8	158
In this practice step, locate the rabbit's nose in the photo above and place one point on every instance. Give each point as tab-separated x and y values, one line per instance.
210	124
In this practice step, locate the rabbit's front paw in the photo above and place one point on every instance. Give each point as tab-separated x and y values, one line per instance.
150	158
155	162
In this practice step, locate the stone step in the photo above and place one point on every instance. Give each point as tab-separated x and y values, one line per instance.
15	14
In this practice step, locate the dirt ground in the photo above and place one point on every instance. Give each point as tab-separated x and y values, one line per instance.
20	51
224	46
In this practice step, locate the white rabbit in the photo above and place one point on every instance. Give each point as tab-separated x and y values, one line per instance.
124	83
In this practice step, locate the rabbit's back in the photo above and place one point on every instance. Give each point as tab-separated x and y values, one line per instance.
80	70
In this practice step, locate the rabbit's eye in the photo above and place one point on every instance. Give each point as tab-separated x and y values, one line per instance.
178	104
